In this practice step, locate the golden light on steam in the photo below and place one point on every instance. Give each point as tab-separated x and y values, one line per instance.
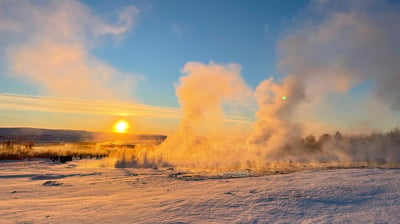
121	126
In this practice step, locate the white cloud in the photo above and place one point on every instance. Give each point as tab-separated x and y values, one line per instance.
48	44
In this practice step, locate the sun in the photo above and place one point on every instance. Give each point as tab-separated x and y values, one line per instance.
121	126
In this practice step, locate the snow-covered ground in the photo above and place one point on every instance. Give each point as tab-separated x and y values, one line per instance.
79	192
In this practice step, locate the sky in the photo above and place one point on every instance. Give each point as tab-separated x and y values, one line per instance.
85	64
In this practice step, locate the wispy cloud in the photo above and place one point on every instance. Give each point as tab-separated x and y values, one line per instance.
66	105
177	29
94	107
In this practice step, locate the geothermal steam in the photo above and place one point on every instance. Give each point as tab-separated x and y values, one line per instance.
336	50
344	44
274	125
199	141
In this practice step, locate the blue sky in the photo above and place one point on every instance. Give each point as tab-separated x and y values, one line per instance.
54	54
171	33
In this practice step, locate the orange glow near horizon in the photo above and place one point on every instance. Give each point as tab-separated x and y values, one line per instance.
120	126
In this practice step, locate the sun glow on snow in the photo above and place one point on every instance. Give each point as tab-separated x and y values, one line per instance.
121	126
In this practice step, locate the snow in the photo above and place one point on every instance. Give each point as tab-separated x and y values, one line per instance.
80	192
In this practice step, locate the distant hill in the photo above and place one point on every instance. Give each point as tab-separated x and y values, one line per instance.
54	136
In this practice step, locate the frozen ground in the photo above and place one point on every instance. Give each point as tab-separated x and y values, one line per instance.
42	192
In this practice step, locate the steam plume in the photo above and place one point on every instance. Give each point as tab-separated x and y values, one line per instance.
344	44
201	94
274	123
203	90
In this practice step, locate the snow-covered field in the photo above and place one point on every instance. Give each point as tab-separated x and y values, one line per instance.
81	192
